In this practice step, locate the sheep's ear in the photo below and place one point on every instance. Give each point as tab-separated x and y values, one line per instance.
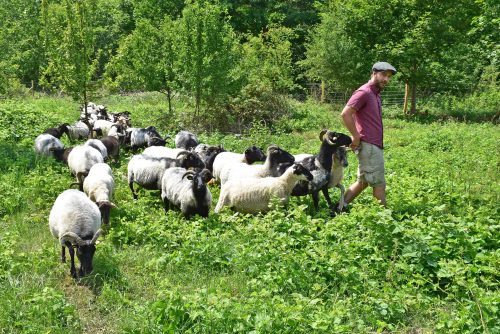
113	205
322	134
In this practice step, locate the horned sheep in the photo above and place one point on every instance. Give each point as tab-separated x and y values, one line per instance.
187	190
76	221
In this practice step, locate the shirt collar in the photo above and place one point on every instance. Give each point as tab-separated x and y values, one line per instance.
373	88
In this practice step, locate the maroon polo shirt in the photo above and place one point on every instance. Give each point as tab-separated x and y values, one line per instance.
368	116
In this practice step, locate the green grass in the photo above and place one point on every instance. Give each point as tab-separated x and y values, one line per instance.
429	263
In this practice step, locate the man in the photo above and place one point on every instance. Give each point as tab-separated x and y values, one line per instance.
362	116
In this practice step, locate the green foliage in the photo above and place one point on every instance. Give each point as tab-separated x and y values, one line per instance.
428	263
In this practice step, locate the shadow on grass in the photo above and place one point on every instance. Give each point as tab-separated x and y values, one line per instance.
106	270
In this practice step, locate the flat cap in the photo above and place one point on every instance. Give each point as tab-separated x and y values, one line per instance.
383	66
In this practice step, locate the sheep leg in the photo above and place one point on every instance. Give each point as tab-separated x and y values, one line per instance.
131	185
315	197
220	203
166	204
324	190
63	254
79	178
341	200
72	257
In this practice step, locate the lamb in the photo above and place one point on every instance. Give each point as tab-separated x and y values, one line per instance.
186	190
45	142
81	159
99	186
75	221
251	155
320	166
275	156
185	140
98	145
59	131
142	137
252	195
148	171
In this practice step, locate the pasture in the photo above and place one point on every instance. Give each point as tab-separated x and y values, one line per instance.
429	263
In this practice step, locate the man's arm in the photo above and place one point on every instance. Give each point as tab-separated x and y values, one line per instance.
348	119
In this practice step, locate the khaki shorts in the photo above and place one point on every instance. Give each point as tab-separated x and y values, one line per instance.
371	165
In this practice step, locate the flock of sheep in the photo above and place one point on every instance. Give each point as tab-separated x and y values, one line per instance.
181	174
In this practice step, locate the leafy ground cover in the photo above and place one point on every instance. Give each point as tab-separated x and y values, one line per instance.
429	263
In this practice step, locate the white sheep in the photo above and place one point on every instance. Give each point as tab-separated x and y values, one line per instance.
251	195
162	152
98	145
275	156
99	186
75	221
81	159
187	190
148	171
45	142
251	155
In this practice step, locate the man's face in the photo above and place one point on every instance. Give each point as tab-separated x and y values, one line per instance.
382	78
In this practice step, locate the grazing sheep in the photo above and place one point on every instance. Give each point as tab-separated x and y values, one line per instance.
61	154
99	186
252	195
320	166
145	137
251	155
187	190
185	140
98	145
79	130
81	159
59	131
112	145
148	171
45	142
75	221
275	156
102	127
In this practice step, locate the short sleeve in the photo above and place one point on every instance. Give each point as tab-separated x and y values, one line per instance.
358	99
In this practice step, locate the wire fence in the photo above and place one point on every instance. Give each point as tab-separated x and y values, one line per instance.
392	95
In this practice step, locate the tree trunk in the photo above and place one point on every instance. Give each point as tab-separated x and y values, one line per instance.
405	103
322	97
413	110
169	98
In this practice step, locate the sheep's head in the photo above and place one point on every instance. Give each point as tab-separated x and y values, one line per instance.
105	209
300	170
278	155
85	250
190	160
253	154
334	138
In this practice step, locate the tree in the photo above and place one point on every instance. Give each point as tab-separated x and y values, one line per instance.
415	35
70	40
146	59
206	55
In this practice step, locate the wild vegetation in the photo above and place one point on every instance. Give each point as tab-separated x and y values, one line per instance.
427	264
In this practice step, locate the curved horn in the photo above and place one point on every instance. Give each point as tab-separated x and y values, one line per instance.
73	238
182	153
94	238
189	172
322	133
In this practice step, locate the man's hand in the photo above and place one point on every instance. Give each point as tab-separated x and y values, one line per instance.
355	142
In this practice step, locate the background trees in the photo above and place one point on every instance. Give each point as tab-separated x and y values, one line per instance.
224	56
